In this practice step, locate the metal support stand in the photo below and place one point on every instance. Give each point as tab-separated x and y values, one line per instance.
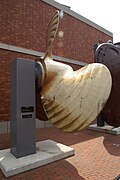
22	108
100	120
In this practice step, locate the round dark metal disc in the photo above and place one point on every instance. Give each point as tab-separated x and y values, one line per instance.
109	55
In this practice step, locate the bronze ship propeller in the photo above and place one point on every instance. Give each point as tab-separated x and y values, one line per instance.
71	99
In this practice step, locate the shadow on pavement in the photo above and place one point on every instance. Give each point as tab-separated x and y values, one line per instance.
110	142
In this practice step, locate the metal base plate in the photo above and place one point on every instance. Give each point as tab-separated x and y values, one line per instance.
105	129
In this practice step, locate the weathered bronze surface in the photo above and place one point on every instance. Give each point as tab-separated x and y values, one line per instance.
109	55
72	99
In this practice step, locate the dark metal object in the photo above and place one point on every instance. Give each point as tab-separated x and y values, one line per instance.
38	76
40	113
100	120
22	108
109	55
117	178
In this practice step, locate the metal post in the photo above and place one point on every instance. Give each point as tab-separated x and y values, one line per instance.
22	108
100	119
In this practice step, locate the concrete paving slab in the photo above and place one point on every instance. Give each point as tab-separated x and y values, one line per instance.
106	128
46	152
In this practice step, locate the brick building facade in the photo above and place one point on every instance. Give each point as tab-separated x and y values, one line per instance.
23	26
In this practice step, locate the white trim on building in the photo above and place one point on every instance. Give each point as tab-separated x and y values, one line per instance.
67	10
37	53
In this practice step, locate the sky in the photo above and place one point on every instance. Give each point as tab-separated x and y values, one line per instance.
105	13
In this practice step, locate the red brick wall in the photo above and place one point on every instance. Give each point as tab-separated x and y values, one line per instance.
24	23
78	40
